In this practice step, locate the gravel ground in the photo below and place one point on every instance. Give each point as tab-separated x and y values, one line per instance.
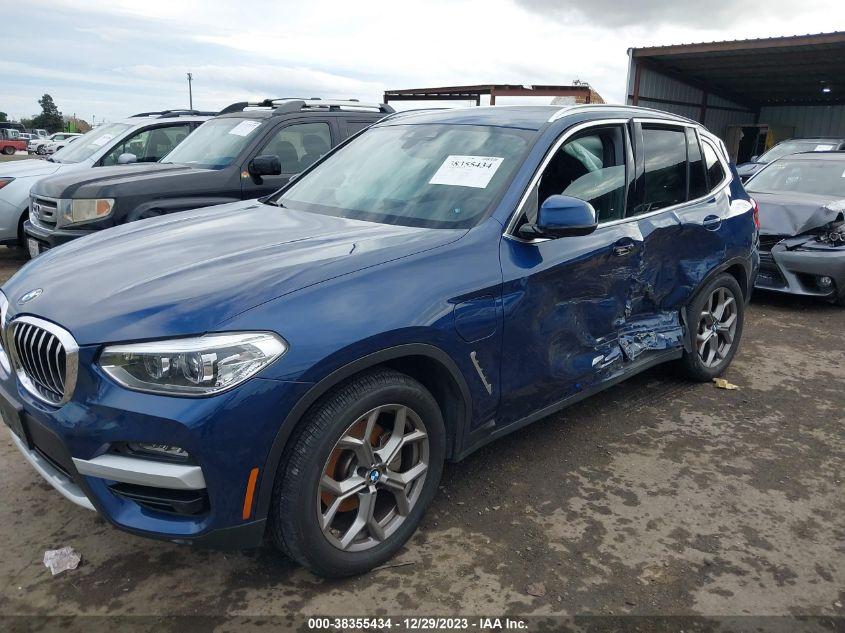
660	497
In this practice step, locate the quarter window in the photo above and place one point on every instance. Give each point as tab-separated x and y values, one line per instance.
697	174
665	151
715	171
590	167
300	145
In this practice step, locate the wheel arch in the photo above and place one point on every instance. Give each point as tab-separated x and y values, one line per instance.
429	365
739	269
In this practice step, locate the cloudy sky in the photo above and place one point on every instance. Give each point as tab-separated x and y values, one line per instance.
110	59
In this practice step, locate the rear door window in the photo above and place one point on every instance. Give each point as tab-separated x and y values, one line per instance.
149	145
665	151
353	127
299	145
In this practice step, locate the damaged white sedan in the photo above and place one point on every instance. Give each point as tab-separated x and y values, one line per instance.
802	225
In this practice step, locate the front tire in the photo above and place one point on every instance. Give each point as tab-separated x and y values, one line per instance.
8	150
716	317
357	477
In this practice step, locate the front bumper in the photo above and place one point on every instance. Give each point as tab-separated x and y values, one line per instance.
49	237
73	449
797	269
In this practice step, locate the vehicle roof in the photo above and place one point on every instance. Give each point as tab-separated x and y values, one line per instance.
268	113
525	116
826	155
153	118
833	139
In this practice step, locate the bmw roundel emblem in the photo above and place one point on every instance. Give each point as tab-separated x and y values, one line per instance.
29	296
374	476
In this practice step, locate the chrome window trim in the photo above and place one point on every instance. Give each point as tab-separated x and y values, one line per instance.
511	225
71	358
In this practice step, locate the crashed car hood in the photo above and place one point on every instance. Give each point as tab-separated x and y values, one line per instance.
789	214
100	182
24	168
189	272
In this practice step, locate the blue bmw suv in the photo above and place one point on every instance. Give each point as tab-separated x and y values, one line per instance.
302	365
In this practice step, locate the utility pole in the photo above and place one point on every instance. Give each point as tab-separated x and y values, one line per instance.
190	94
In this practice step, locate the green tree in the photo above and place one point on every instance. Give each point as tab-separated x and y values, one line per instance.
50	118
3	117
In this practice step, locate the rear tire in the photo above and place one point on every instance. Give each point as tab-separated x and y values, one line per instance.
716	316
396	474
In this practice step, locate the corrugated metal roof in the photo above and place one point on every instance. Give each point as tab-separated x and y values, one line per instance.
796	69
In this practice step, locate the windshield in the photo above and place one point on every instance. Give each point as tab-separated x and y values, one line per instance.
796	147
818	177
215	143
437	176
90	143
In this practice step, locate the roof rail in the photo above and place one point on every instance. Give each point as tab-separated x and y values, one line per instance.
164	114
611	106
285	105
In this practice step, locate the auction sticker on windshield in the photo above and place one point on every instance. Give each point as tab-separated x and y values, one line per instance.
244	128
102	140
466	171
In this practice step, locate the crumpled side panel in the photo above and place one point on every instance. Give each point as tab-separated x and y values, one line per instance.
660	332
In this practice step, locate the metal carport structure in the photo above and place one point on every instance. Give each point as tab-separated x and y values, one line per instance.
781	86
580	93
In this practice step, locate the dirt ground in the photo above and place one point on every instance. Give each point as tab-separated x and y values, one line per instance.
657	497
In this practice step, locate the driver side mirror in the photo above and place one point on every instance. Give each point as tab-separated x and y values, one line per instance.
127	159
754	158
562	216
267	165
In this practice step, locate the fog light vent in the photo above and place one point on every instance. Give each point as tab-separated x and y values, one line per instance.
158	450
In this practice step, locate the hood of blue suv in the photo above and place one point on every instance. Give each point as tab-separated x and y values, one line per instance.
105	182
187	273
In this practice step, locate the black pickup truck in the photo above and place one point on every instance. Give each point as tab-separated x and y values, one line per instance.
249	150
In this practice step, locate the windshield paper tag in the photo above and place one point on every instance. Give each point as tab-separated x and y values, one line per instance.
466	171
823	148
102	140
244	128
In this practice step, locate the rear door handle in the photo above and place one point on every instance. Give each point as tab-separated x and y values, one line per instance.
712	222
622	250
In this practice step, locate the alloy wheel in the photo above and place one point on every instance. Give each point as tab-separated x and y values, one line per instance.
717	327
373	478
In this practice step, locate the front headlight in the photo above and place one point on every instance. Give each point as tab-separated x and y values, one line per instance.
85	210
199	366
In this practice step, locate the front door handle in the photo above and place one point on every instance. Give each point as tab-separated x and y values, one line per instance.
712	222
622	250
